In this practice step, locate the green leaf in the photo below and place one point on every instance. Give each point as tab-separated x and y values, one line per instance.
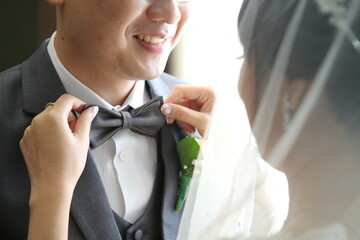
188	150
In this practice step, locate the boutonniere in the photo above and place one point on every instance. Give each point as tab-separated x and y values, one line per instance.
188	150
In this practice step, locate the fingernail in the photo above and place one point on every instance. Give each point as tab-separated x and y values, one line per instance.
94	111
167	109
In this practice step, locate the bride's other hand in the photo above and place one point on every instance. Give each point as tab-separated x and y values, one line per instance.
55	148
190	107
55	145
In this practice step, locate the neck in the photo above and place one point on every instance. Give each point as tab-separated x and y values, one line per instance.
103	82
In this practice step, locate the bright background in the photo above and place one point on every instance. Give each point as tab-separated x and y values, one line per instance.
209	51
209	55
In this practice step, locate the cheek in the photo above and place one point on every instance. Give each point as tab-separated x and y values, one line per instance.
115	15
247	91
185	11
185	15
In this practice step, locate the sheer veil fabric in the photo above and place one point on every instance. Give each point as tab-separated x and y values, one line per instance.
303	58
230	176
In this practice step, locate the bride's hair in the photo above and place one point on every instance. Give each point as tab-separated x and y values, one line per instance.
343	88
272	20
312	43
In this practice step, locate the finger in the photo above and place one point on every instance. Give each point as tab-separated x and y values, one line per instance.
200	93
179	92
196	119
183	125
170	120
25	136
72	121
66	103
186	127
83	123
185	103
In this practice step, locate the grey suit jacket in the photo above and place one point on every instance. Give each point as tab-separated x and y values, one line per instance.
24	91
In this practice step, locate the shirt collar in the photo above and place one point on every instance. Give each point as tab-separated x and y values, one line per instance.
137	97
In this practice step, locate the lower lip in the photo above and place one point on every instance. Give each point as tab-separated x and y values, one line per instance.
152	47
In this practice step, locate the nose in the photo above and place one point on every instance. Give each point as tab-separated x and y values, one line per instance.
165	11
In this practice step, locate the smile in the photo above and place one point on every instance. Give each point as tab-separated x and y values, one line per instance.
150	39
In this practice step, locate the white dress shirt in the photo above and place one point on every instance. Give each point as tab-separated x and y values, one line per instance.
127	161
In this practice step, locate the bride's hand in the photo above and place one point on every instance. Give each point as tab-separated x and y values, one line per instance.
55	146
190	107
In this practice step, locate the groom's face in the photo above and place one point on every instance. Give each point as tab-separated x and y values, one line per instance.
132	39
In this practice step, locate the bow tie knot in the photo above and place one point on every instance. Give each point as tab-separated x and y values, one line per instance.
145	120
127	120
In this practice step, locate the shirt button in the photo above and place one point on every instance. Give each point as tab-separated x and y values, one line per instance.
122	155
139	234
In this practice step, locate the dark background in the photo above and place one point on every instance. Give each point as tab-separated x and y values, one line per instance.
24	24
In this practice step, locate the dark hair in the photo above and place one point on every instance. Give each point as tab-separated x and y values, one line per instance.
313	41
343	87
271	22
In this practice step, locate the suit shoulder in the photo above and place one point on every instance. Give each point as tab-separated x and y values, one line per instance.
11	87
10	75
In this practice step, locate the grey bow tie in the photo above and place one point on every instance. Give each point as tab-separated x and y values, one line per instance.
145	120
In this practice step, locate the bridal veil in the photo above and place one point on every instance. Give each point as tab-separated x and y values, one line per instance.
302	60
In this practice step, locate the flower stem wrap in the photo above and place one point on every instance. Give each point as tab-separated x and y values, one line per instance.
184	188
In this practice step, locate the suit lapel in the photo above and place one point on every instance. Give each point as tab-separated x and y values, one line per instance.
40	82
90	208
170	135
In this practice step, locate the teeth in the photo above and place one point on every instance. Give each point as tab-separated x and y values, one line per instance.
147	38
150	39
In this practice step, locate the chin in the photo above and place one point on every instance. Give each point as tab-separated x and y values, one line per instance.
147	76
152	73
153	76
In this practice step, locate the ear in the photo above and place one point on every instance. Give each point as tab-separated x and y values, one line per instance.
56	2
